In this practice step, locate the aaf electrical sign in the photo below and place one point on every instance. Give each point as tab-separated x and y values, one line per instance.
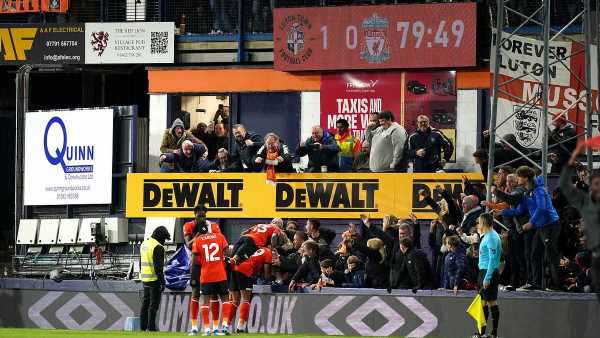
246	195
89	43
47	44
68	157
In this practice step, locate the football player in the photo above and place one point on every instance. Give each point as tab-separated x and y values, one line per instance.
208	268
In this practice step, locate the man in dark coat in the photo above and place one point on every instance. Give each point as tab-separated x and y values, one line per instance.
246	146
322	151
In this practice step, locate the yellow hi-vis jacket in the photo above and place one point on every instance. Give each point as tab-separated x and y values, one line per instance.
147	273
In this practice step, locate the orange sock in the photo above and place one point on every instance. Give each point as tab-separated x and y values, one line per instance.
215	308
244	313
227	306
194	313
204	310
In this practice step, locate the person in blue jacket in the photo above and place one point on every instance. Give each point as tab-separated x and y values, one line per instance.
455	265
544	221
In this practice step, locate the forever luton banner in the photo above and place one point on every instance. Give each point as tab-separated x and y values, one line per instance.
519	98
294	196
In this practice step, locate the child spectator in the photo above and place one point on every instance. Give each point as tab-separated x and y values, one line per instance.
355	273
329	276
455	265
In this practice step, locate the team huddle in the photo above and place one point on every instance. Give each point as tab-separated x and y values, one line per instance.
224	277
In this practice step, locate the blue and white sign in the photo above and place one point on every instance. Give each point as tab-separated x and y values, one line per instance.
68	157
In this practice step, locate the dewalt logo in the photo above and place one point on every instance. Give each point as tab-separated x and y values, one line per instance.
15	42
454	186
326	195
185	194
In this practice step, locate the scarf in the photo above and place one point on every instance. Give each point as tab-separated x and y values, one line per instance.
271	156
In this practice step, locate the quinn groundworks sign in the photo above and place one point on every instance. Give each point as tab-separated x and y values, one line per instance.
294	195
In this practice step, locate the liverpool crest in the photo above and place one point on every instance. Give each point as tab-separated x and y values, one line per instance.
375	46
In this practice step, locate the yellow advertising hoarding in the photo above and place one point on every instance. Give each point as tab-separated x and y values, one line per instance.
248	195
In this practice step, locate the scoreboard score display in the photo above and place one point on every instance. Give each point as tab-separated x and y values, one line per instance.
375	37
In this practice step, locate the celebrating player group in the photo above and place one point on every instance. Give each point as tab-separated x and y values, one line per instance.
223	276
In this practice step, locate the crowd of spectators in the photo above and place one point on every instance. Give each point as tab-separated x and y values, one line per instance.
544	234
544	241
385	147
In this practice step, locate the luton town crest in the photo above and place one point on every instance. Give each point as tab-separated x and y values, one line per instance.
526	122
375	46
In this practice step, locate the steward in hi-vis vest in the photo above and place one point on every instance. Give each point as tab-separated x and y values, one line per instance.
152	262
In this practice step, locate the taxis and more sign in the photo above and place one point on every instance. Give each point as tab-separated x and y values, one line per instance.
294	196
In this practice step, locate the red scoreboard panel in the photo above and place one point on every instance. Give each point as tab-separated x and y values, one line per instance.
375	37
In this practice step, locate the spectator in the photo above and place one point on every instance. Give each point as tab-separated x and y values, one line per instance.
416	268
273	157
191	158
371	127
349	145
519	240
222	163
322	236
387	145
343	253
544	219
583	281
471	211
376	271
221	115
246	146
361	161
322	151
217	140
309	271
397	259
290	263
172	140
562	141
292	225
481	158
455	265
354	273
329	276
200	132
425	148
174	137
589	206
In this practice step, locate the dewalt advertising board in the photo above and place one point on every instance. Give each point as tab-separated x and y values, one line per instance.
294	196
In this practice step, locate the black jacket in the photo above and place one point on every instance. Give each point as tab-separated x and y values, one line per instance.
327	155
326	236
562	150
193	164
396	266
470	219
419	270
242	157
308	272
291	262
376	271
434	142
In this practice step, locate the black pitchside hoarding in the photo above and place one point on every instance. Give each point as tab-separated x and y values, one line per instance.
47	44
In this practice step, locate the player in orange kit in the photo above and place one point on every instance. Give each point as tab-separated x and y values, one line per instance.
240	284
208	263
190	231
252	239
